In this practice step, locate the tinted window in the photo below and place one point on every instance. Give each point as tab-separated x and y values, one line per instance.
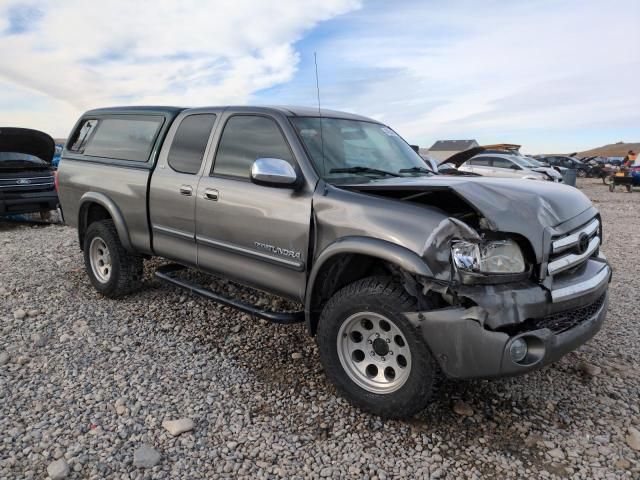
246	138
502	163
190	142
82	135
124	138
480	162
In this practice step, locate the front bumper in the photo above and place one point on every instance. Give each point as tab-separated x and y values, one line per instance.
474	342
28	202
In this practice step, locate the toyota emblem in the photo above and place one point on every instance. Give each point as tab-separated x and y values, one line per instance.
583	243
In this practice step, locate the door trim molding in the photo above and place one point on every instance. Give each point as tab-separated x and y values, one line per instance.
296	265
173	232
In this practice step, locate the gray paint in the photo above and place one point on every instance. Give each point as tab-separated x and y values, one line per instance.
278	239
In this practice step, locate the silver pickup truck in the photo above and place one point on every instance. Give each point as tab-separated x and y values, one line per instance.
404	274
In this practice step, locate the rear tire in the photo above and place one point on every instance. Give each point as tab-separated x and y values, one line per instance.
359	329
113	271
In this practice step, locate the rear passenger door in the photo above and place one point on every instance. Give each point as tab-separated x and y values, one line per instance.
174	184
254	234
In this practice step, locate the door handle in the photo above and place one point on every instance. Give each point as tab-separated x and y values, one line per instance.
186	190
211	194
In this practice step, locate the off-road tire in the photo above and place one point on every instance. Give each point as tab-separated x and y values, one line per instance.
387	297
126	268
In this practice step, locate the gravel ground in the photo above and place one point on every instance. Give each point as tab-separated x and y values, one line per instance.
86	384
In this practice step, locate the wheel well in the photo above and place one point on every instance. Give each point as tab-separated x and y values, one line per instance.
340	270
90	212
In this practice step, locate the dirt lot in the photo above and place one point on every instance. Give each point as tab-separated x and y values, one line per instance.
89	381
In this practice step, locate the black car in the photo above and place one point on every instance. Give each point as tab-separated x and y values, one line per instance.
583	170
27	182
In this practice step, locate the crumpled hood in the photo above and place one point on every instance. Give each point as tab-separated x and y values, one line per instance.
525	207
26	140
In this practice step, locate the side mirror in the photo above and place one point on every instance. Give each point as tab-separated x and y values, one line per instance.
273	172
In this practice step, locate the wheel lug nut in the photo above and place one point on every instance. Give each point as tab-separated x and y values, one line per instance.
390	352
383	359
373	354
377	335
388	340
370	341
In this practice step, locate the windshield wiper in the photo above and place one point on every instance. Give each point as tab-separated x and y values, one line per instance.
416	170
363	170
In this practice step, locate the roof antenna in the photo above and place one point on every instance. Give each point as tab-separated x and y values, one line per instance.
315	59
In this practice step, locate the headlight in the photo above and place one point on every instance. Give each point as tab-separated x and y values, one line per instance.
500	256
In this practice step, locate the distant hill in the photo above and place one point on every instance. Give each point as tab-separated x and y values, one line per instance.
619	149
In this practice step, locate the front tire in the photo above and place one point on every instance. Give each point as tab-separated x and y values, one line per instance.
373	355
113	271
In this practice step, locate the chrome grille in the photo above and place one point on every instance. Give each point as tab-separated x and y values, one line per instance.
23	184
575	248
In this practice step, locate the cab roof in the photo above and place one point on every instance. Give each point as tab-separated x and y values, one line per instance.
290	111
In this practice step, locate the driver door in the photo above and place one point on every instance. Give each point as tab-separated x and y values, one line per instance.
256	235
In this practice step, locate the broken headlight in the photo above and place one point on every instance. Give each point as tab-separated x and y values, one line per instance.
498	256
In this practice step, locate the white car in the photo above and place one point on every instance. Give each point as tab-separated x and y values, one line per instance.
508	165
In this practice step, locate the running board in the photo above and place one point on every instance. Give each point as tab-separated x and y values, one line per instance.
167	273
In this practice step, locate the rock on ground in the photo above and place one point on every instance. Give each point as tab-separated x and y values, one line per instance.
146	457
633	438
58	470
176	427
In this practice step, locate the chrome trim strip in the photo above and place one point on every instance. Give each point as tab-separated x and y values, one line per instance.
569	261
13	179
26	185
173	232
582	288
573	238
283	262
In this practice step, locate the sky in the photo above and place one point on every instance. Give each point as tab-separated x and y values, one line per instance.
553	76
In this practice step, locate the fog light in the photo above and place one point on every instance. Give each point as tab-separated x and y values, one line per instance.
518	350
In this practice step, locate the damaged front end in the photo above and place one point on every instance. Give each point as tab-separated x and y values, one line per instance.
516	278
487	313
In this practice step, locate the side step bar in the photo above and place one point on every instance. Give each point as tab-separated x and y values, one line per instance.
167	273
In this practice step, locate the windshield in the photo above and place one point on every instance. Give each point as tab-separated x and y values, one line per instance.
522	161
534	163
352	147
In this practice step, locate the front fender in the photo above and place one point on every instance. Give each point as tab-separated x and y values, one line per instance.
372	247
115	213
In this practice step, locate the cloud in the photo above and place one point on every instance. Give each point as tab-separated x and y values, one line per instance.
76	55
557	75
494	70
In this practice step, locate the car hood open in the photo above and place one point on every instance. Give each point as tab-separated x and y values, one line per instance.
28	141
459	158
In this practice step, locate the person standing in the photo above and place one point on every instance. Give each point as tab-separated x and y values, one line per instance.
629	159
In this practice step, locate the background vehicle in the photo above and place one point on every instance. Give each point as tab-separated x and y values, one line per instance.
397	268
508	166
26	175
582	169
